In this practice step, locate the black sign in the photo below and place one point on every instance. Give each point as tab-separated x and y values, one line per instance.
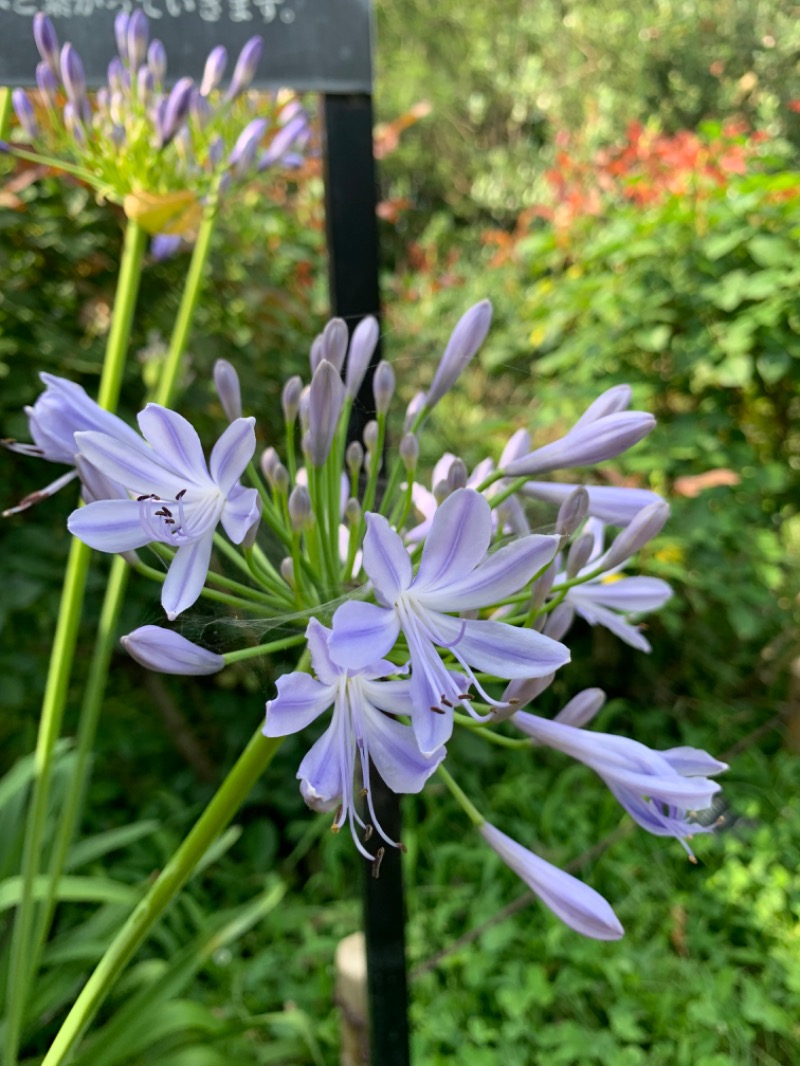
320	45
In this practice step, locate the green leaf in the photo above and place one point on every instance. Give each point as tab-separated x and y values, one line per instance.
75	889
94	847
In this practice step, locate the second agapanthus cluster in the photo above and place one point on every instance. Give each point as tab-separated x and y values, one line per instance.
422	609
160	152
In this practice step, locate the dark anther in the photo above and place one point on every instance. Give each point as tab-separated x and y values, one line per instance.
166	511
466	696
446	701
514	700
141	499
364	792
438	710
376	866
401	847
181	494
170	522
368	831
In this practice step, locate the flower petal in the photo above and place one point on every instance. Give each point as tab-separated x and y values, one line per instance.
617	506
186	575
110	525
241	510
610	620
500	649
169	652
386	560
502	574
300	700
458	540
579	906
362	633
232	452
630	594
393	748
323	772
137	469
174	441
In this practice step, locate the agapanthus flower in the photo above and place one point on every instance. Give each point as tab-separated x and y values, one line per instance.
178	499
455	574
609	598
63	410
658	789
160	153
363	727
576	904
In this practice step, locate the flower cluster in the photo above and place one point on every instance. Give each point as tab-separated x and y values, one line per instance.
422	609
159	152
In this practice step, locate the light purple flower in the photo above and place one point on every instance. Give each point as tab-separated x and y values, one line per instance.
455	574
246	65
362	347
179	500
170	653
46	39
293	135
361	727
26	116
63	410
612	504
175	111
226	382
585	445
577	905
326	397
465	340
659	789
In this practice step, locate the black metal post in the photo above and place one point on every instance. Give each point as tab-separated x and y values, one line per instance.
352	237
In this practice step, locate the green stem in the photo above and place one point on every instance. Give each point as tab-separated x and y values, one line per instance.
264	649
23	950
232	793
460	796
5	111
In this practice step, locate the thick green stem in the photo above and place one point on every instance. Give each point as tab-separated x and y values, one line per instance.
232	793
5	111
23	950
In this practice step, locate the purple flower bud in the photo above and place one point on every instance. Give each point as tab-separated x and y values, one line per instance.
325	405
465	340
269	460
73	76
170	653
352	512
416	405
383	387
287	572
303	407
164	246
409	451
243	154
572	512
609	402
48	84
201	111
520	692
647	524
354	457
558	621
370	435
157	61
579	906
145	83
121	34
362	347
46	39
138	32
290	398
457	475
245	69
299	508
226	382
334	342
591	443
582	708
292	133
117	80
250	537
175	111
73	125
579	554
26	116
214	69
540	589
280	478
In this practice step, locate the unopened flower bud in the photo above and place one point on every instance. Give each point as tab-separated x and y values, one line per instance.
383	384
362	348
579	553
246	65
214	69
73	124
334	342
409	451
305	441
540	589
116	75
647	524
325	405
138	32
26	116
559	621
290	398
287	572
572	512
465	340
244	150
176	110
304	406
226	382
582	708
121	34
352	512
457	475
617	398
47	82
299	508
441	490
251	536
269	459
145	82
416	405
157	61
200	111
586	444
520	692
280	478
46	39
294	133
169	652
73	77
316	352
371	434
354	456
